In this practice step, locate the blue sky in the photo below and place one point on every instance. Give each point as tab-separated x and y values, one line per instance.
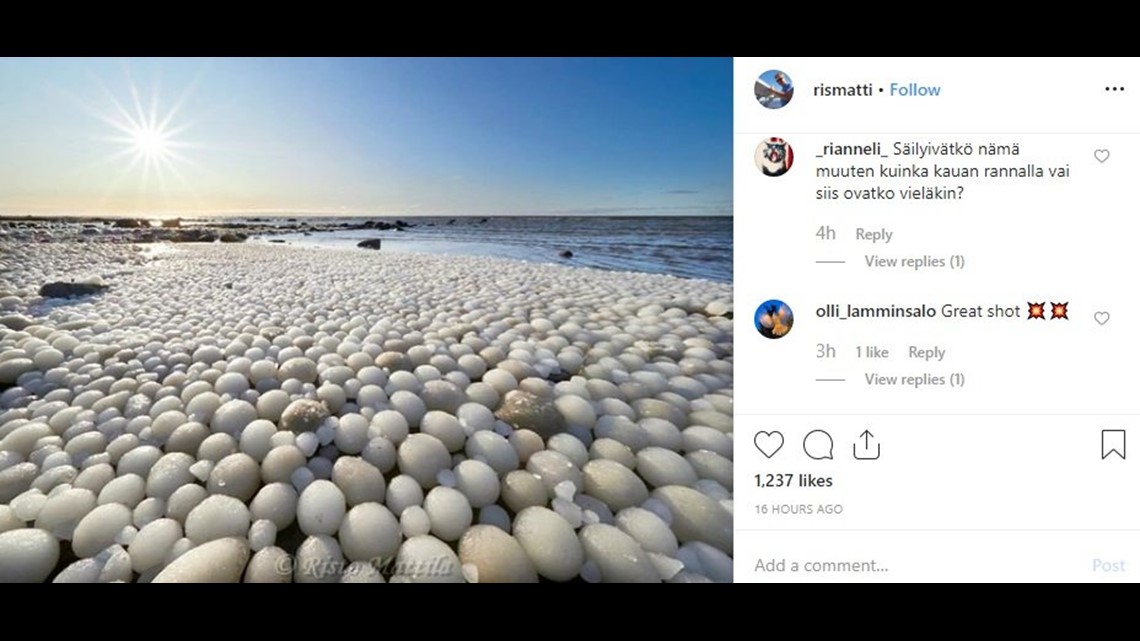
368	136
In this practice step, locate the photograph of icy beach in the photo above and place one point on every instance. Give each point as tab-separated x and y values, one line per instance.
366	320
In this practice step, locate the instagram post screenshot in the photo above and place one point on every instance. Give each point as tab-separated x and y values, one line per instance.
483	320
932	256
367	320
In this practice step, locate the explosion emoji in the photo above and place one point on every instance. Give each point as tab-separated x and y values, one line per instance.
1061	310
1036	310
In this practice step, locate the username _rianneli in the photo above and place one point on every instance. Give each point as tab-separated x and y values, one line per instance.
922	149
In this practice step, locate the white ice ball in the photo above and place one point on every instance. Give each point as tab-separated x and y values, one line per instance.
369	532
185	499
426	559
217	516
262	534
450	513
216	561
478	482
359	480
237	475
496	556
319	560
256	438
648	529
422	456
276	502
269	565
696	517
232	383
169	473
494	450
391	425
618	556
321	508
351	434
550	543
27	555
613	483
300	368
63	511
98	529
445	427
414	521
153	543
128	490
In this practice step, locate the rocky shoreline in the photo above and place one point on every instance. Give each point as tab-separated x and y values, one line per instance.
172	230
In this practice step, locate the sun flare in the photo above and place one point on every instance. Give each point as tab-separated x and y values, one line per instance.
150	141
149	144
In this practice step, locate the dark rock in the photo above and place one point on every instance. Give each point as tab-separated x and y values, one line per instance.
401	229
228	285
451	222
400	223
559	376
277	241
61	289
193	235
172	222
566	253
482	221
130	223
525	411
89	231
371	243
233	237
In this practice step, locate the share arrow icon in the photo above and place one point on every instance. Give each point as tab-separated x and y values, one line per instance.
866	448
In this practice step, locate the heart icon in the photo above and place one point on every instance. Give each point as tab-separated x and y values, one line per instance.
1101	155
1101	317
768	442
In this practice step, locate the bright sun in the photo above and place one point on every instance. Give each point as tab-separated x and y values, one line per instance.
149	141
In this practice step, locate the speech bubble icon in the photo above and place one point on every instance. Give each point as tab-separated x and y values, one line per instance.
818	445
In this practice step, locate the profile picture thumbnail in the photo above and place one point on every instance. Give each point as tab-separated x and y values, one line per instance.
774	156
773	89
774	319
